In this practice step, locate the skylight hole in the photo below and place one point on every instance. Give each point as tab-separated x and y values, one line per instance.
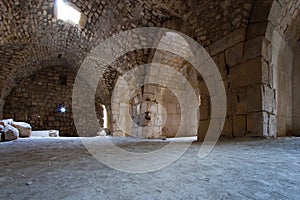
68	13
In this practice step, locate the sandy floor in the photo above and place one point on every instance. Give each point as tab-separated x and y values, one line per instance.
61	168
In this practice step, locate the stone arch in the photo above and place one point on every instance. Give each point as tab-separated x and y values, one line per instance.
189	72
282	33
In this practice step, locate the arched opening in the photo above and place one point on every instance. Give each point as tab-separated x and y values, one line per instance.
280	72
105	117
150	89
157	107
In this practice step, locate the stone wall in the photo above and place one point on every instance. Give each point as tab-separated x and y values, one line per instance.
2	102
296	91
282	32
37	99
156	107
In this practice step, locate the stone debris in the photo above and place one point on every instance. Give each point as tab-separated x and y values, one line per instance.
11	130
1	133
10	133
24	128
53	133
103	132
6	122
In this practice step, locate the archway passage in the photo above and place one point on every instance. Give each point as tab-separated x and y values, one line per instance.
157	107
280	69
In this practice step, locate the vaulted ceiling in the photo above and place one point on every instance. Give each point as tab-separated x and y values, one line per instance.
31	37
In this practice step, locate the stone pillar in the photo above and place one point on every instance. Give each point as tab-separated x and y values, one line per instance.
296	93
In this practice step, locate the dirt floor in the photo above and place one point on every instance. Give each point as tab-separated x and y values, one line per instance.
62	168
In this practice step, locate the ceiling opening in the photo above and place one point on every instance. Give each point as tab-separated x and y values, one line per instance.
69	13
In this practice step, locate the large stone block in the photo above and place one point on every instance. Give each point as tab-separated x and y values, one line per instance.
253	48
246	74
6	122
234	55
257	124
241	102
228	127
254	99
256	29
204	108
24	128
272	131
260	11
275	12
268	99
202	130
227	42
239	126
10	133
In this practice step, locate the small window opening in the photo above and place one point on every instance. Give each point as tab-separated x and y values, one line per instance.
69	13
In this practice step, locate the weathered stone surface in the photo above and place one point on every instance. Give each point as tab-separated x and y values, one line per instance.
1	133
1	128
256	30
253	48
146	111
234	55
10	133
261	10
257	124
272	129
246	74
227	42
202	130
228	128
6	122
239	126
102	132
53	133
23	128
37	100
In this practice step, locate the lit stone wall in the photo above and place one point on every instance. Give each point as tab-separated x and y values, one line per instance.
278	51
296	91
156	107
